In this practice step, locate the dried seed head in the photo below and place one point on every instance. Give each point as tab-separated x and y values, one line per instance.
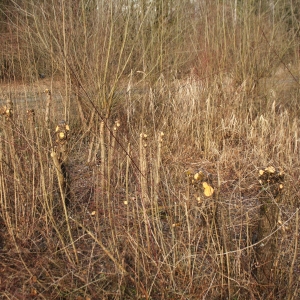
281	172
199	176
47	92
270	169
208	190
160	137
143	135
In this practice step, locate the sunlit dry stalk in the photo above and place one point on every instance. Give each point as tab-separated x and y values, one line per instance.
45	181
103	157
127	175
111	140
59	173
12	160
143	168
62	189
111	155
5	203
291	292
156	178
143	183
92	120
48	107
91	146
189	245
60	161
87	130
80	108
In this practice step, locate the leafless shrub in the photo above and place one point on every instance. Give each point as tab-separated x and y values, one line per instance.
152	91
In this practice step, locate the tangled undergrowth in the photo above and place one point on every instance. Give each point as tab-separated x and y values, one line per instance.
165	197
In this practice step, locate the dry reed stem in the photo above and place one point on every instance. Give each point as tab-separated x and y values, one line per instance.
143	168
291	292
48	107
103	158
156	179
62	189
145	200
91	146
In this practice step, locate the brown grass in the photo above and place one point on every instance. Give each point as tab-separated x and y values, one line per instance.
140	127
139	234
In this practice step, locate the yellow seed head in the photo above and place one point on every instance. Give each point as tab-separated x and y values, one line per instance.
208	190
199	176
199	200
270	169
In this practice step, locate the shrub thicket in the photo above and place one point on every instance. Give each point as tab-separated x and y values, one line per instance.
175	174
